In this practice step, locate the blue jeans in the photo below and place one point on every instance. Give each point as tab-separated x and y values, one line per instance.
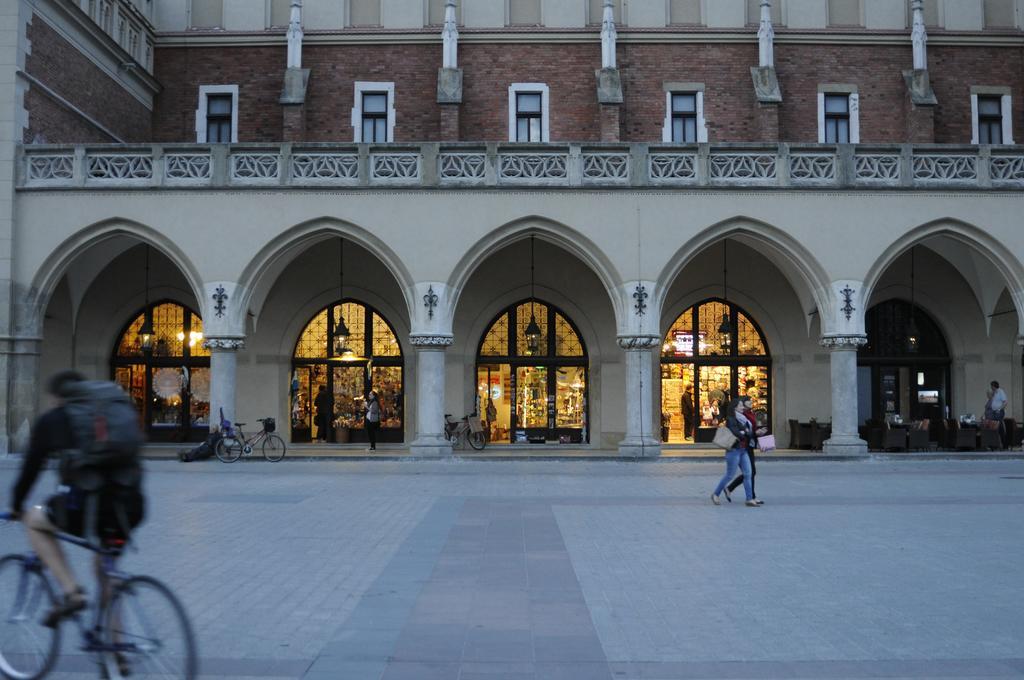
736	459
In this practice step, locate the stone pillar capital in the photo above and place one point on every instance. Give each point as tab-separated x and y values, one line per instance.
638	343
840	343
431	341
224	344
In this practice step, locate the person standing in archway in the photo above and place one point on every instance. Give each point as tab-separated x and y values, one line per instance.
687	409
995	408
372	418
324	412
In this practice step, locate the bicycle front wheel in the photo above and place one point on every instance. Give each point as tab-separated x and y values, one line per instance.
273	448
229	449
28	649
146	633
477	440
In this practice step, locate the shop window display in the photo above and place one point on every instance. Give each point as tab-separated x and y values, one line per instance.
536	394
170	384
332	373
702	368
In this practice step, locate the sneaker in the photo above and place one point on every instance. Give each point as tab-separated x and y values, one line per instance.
714	499
753	504
759	501
71	604
728	496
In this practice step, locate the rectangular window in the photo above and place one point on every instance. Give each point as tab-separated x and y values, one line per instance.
684	12
1000	14
375	117
206	14
754	12
364	13
837	119
990	120
684	117
524	13
435	12
844	13
596	11
280	12
217	116
528	116
931	13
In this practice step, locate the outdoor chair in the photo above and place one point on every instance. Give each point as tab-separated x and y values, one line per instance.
795	441
964	438
917	438
895	439
990	439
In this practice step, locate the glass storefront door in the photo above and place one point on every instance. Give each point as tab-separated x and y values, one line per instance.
532	399
494	384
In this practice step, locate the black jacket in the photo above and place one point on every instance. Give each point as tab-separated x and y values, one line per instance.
50	435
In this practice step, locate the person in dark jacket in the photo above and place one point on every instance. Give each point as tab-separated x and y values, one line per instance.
736	457
372	418
749	413
324	404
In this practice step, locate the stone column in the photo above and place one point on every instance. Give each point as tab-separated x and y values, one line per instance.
21	364
843	354
430	392
223	371
640	439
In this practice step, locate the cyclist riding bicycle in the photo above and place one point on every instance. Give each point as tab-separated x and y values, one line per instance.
113	509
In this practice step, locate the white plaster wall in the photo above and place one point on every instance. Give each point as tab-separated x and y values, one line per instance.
564	13
568	284
807	13
483	13
964	15
323	14
402	13
245	15
646	13
885	14
171	15
725	13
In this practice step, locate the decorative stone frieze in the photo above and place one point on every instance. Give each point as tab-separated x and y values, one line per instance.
431	340
638	342
224	344
843	342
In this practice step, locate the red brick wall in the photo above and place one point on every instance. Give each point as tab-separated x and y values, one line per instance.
954	70
731	110
64	70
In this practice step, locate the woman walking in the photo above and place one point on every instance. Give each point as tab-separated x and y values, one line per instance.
748	413
736	457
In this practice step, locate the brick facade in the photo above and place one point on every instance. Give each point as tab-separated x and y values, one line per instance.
62	68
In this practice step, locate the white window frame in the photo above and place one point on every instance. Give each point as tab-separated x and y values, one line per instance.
1005	110
529	88
684	88
204	92
364	86
854	103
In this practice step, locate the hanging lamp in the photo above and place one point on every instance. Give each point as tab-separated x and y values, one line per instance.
913	335
146	330
725	328
532	329
342	352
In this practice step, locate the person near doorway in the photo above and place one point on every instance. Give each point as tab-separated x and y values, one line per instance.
372	418
758	431
687	409
492	418
995	408
324	404
737	458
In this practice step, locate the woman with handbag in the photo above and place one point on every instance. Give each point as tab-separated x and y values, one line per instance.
748	413
736	457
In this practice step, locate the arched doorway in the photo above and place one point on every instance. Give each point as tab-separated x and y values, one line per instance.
898	377
346	368
712	351
170	383
538	388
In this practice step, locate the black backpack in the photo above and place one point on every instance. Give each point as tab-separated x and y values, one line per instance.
106	435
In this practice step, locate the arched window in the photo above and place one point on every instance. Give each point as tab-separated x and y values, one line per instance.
332	372
170	384
532	386
900	378
712	352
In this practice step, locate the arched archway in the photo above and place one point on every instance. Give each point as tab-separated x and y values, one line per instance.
169	382
532	373
712	352
344	351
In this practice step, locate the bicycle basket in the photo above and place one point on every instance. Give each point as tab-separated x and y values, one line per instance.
269	424
474	424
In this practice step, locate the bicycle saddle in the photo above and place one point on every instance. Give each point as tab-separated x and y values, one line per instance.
239	424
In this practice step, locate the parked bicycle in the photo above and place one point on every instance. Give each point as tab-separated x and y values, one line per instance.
138	628
234	445
466	429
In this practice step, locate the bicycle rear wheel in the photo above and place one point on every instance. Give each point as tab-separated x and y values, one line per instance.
273	448
28	649
229	449
146	633
477	440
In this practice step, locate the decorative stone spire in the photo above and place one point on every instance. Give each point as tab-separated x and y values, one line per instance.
450	35
295	35
919	36
766	36
608	36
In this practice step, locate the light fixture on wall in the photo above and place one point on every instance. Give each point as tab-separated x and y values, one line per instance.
725	328
532	329
342	352
146	330
913	335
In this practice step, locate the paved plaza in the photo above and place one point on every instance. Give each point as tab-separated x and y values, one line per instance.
580	570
